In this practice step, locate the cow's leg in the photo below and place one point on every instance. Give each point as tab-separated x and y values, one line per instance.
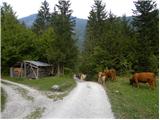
151	83
113	77
103	80
99	80
136	81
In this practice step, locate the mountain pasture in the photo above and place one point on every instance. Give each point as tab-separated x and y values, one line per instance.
131	102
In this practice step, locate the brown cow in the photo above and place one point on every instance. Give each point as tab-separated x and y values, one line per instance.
111	73
143	77
102	76
18	71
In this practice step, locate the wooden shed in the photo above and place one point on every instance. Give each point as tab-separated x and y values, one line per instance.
32	69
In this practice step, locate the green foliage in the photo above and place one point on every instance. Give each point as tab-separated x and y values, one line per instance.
145	24
95	26
3	99
64	46
53	42
43	19
112	49
45	45
154	63
114	42
93	58
17	41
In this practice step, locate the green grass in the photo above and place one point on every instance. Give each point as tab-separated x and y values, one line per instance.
3	99
65	82
130	102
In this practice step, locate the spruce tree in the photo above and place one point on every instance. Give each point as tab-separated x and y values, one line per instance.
95	25
43	19
65	47
145	22
93	52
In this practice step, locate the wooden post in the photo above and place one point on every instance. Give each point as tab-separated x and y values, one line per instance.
21	70
33	71
37	72
11	72
25	71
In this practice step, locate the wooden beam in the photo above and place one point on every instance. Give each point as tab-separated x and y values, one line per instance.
33	71
25	71
11	71
37	72
21	70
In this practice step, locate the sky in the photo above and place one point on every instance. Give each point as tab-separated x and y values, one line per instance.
81	8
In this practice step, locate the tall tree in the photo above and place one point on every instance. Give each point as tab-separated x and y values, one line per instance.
95	25
108	43
43	19
17	41
94	36
145	22
65	47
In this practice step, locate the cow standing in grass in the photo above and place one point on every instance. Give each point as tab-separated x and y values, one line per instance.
111	73
144	77
102	76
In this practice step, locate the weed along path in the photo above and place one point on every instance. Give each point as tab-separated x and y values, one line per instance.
86	100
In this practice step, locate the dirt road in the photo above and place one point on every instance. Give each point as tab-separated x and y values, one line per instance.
86	100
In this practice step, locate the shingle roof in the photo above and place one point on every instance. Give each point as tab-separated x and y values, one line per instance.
38	63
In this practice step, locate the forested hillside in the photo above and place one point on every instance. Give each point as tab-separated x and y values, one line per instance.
109	41
50	39
112	42
80	27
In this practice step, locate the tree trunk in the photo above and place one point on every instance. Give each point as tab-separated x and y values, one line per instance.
62	69
58	69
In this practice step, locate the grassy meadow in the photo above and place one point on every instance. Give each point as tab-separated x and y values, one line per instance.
65	82
133	103
3	99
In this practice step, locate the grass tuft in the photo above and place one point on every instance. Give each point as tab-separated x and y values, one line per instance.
3	99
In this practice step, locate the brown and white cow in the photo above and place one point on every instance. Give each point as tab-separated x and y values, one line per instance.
103	76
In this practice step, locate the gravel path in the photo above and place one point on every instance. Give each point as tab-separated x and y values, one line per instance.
87	100
23	101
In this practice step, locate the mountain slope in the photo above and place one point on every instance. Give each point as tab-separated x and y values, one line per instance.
28	20
79	28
